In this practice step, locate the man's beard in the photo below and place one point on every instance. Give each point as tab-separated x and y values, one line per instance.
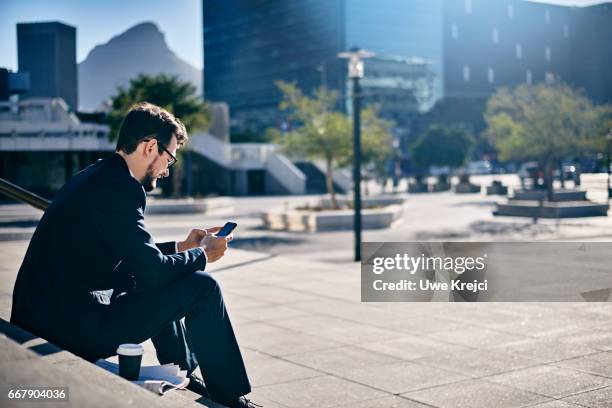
148	181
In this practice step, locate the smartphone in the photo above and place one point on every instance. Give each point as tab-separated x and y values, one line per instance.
227	229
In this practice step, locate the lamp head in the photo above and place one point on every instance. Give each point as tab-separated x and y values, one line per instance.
355	58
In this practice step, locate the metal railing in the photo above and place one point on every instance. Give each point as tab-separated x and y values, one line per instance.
20	194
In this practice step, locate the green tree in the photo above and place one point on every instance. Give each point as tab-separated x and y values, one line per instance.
546	123
465	113
442	146
376	138
172	94
599	142
324	133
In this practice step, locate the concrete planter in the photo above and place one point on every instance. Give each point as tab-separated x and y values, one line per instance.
313	221
497	189
558	195
437	187
417	188
467	188
547	209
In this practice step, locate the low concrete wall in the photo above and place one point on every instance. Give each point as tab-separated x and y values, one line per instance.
310	221
467	188
437	187
418	188
365	201
558	195
497	190
562	209
188	205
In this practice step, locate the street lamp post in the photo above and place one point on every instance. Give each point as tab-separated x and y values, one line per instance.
355	57
609	142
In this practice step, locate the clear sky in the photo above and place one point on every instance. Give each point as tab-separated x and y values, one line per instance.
99	20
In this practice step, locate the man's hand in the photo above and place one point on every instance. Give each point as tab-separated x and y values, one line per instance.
214	246
192	241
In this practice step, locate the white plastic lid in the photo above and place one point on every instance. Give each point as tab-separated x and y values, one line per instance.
129	349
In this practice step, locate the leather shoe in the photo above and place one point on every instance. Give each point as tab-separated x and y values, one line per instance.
243	402
196	384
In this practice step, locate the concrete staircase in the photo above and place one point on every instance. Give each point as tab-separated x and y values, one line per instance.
30	361
251	156
315	178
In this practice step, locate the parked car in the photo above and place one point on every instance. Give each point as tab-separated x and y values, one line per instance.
439	170
533	171
530	171
479	167
569	172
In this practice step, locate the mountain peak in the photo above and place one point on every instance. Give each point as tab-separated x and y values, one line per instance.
140	33
141	49
144	28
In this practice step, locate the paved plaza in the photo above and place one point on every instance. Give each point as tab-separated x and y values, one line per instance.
426	217
308	341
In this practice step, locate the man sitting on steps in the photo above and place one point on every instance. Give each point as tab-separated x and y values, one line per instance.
93	277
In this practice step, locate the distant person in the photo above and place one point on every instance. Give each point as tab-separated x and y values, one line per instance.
576	176
94	278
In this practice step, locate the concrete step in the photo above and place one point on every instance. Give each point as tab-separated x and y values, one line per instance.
30	361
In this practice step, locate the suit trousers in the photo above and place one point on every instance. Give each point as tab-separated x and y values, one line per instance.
205	338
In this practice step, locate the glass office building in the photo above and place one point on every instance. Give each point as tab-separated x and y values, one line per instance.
399	30
494	43
468	47
251	44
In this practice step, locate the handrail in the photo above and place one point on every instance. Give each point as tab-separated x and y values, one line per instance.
21	194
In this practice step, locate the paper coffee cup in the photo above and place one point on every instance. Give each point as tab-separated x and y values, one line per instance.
130	357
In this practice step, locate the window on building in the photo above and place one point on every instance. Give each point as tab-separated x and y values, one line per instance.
529	78
511	11
547	16
519	51
566	31
468	6
466	73
491	75
547	54
455	30
495	35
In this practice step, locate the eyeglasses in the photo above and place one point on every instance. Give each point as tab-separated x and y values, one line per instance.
172	160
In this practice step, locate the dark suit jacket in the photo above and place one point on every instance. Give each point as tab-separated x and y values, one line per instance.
91	240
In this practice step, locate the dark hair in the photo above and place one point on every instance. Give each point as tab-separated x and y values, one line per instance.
145	120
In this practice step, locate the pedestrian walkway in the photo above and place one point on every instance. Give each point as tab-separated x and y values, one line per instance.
308	341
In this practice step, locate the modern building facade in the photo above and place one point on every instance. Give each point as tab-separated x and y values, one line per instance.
471	46
47	52
401	87
249	45
43	143
13	83
591	51
493	43
399	30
